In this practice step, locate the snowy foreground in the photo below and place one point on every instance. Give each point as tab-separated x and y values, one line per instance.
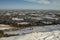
36	33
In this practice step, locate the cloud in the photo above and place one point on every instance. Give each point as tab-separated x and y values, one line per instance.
47	4
39	1
44	1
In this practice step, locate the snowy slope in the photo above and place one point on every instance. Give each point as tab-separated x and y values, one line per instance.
37	33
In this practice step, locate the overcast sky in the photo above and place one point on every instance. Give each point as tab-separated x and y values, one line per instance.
30	4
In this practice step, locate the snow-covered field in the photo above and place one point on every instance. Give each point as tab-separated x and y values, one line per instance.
51	32
3	27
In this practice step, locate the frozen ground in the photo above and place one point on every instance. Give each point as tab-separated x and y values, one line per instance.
3	27
36	33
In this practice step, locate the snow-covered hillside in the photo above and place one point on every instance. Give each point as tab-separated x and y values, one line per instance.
36	33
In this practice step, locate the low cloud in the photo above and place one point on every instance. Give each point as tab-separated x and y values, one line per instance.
44	1
39	1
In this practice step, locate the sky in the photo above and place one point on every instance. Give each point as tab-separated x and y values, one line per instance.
30	4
